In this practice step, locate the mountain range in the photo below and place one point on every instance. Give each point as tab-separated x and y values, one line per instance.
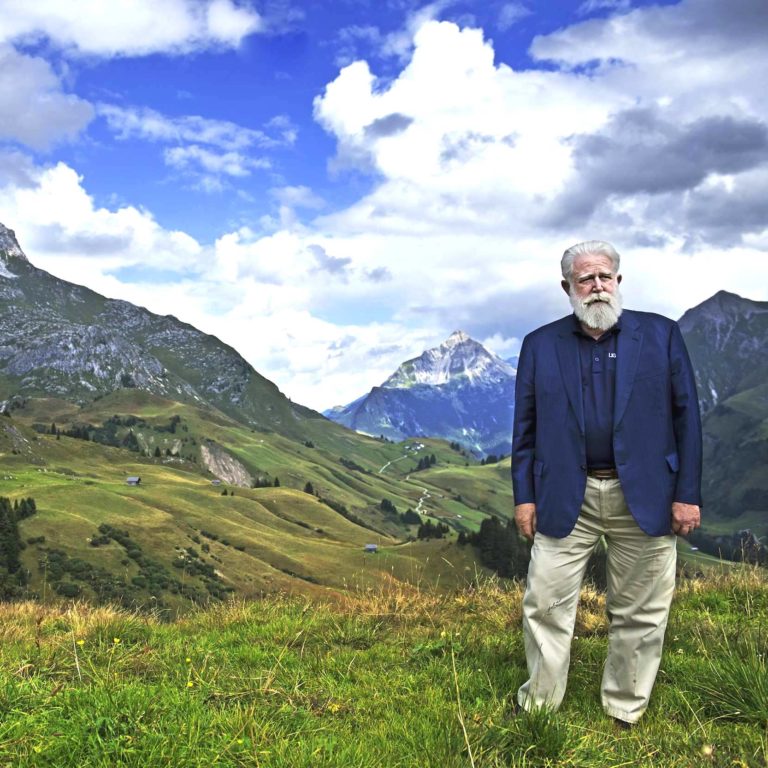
61	339
458	391
96	390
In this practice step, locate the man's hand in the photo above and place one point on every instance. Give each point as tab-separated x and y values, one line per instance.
685	518
525	519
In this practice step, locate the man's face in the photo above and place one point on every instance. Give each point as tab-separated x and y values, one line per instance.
594	291
592	275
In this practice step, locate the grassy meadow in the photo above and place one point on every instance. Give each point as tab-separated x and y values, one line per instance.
389	676
182	539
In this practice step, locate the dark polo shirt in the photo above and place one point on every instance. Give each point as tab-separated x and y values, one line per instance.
598	387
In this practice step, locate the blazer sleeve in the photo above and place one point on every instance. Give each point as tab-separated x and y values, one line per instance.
686	421
524	426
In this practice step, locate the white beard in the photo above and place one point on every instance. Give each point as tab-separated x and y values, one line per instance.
598	310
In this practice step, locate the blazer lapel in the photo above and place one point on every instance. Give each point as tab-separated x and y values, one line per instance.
628	343
570	370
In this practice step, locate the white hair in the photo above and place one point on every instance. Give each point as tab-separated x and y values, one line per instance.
588	248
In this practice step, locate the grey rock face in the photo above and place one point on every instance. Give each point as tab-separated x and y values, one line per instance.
727	339
64	340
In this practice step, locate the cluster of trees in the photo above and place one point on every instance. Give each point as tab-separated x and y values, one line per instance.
387	507
499	547
349	464
265	482
430	530
425	463
109	432
492	458
12	575
409	517
173	422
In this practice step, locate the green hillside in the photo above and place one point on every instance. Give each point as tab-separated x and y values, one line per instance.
182	535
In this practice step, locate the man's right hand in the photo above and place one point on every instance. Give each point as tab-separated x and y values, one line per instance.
525	519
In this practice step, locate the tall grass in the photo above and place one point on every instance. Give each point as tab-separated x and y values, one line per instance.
394	676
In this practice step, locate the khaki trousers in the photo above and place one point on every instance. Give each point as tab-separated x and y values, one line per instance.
641	581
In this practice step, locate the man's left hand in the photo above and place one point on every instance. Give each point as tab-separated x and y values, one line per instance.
685	518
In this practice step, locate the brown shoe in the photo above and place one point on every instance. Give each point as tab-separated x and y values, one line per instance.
623	725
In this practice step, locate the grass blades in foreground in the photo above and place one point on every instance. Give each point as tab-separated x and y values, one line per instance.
392	677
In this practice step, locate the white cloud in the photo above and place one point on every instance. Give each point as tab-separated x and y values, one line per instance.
151	125
215	163
472	165
510	14
297	197
590	6
226	143
34	109
62	230
129	27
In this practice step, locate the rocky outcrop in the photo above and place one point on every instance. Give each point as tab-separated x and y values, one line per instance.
224	466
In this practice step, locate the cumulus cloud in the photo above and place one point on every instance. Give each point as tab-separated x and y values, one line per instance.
333	265
40	113
480	176
130	27
63	230
226	163
641	151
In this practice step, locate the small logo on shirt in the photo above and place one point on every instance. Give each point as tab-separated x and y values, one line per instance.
611	354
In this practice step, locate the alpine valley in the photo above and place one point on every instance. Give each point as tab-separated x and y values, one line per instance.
162	469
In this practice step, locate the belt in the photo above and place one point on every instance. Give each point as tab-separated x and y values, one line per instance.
609	473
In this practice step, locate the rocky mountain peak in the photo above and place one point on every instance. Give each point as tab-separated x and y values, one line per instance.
458	359
723	307
458	391
9	247
456	338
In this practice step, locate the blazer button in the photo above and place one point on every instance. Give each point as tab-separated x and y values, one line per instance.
583	466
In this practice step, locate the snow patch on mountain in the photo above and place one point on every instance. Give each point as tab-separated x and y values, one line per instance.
457	358
458	391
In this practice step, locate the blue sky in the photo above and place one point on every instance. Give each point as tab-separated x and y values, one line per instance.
332	187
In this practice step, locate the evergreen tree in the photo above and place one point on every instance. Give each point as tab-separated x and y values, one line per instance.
276	484
309	488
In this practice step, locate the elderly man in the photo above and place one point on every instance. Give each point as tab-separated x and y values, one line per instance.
607	443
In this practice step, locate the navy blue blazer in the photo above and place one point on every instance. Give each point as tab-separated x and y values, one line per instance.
656	424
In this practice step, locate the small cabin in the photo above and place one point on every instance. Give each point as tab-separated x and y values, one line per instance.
216	482
133	480
372	548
